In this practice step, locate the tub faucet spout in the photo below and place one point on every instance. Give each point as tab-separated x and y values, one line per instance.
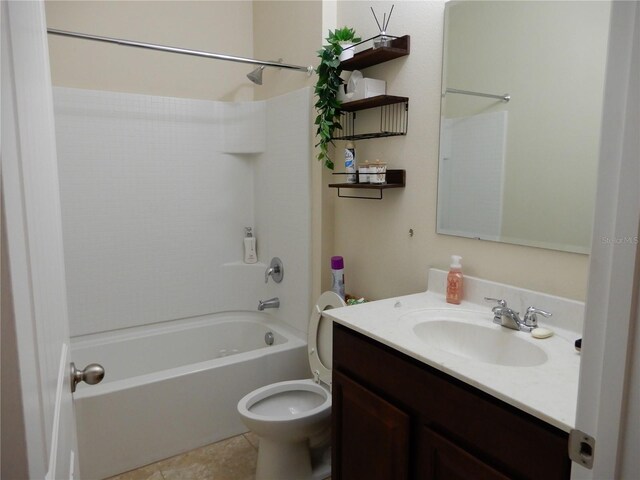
271	303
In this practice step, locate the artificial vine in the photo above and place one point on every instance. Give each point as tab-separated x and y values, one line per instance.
327	87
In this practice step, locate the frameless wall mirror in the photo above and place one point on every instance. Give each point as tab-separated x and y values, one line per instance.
522	169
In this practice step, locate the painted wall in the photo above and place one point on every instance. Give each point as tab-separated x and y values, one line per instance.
278	32
373	236
214	26
553	134
381	259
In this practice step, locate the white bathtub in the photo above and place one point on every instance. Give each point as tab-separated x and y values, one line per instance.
173	387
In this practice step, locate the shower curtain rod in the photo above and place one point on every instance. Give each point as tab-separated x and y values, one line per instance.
184	51
505	98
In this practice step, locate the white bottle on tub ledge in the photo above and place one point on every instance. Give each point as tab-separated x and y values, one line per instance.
250	255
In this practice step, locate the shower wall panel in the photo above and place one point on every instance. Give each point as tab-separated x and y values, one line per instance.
283	201
154	209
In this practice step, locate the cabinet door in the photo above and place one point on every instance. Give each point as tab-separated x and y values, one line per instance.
370	435
440	459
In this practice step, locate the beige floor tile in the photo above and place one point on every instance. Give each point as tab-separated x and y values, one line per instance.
252	438
150	472
231	459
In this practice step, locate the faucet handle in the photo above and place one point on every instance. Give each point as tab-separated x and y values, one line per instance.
499	310
501	303
531	317
275	271
267	273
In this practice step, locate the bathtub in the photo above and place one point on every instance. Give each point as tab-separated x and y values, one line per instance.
173	387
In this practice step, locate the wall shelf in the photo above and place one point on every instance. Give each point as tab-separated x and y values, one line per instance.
394	117
400	47
395	179
394	110
372	102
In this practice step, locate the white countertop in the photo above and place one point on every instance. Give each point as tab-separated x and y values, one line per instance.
548	391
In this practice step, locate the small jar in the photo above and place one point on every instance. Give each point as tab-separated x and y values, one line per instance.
382	41
363	172
378	173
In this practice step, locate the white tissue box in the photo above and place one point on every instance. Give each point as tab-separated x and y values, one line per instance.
364	88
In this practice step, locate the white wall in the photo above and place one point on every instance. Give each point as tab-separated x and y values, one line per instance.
259	29
381	259
154	205
282	182
278	32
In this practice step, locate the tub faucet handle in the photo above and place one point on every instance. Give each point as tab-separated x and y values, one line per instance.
275	271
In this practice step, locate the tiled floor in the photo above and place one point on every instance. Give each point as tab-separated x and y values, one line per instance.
231	459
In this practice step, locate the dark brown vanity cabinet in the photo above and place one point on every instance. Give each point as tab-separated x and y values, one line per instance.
395	418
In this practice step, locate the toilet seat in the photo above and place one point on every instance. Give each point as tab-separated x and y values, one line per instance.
320	369
283	389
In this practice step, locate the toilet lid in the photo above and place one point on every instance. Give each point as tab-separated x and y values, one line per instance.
319	337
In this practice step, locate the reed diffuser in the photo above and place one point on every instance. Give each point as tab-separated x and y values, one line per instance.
382	40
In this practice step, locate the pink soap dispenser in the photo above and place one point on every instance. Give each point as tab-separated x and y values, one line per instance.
455	281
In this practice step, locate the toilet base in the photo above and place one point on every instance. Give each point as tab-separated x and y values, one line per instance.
322	465
292	461
283	460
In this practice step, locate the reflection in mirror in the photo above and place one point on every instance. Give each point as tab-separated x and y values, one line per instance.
522	169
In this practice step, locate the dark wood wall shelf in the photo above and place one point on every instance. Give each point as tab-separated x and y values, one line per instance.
394	114
394	117
374	56
394	110
372	102
395	179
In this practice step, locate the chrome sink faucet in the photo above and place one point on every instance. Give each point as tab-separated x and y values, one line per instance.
271	303
505	316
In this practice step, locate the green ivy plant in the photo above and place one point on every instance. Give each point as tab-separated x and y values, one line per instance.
327	87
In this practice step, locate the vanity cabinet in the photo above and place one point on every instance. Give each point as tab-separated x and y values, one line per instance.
394	417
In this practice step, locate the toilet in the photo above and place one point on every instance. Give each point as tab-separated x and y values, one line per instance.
293	418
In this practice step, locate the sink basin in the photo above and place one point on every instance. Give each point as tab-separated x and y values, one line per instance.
488	344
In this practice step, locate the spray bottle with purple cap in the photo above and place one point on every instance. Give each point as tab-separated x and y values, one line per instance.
337	275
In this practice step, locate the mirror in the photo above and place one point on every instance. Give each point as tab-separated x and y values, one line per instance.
522	171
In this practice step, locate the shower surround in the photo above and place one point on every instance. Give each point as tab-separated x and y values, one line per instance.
155	195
